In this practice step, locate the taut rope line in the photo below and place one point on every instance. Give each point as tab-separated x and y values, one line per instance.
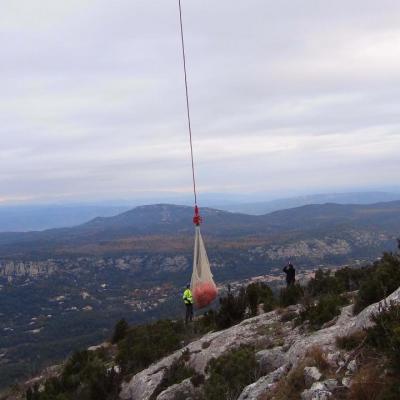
187	102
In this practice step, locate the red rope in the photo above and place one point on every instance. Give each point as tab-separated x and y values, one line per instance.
187	103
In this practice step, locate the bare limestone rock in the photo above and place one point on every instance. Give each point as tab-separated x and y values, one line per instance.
363	319
257	331
352	366
251	331
330	384
263	385
318	391
324	338
145	383
334	359
346	381
185	389
311	375
346	324
271	359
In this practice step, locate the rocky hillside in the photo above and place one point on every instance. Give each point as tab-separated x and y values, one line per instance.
281	350
320	341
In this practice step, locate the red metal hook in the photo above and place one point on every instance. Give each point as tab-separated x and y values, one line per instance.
197	220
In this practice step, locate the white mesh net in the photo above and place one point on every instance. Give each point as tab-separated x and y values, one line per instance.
203	287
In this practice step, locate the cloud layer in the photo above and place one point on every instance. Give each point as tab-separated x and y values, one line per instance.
286	96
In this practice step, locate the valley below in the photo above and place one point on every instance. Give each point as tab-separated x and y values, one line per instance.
65	289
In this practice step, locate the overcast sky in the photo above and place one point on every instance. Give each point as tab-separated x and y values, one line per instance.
287	96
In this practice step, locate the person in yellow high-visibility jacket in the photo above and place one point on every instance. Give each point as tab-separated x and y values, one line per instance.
188	300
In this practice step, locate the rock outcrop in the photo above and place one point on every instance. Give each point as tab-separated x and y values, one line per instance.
284	347
258	331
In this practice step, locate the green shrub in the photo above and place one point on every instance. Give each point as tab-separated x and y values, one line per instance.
382	279
197	379
350	278
176	373
267	298
324	283
84	376
230	373
144	344
343	280
324	310
120	331
385	334
290	295
206	323
232	310
252	298
350	342
257	293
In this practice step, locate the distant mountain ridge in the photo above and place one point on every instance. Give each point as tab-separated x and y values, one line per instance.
173	221
263	207
40	217
37	217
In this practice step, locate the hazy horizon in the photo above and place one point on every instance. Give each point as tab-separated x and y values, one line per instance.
206	199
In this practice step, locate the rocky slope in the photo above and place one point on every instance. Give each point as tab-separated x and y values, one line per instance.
281	349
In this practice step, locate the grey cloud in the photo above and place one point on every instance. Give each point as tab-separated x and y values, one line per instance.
283	94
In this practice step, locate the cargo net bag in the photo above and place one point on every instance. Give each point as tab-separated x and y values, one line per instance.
203	287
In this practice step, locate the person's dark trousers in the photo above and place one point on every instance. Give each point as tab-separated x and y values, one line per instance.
189	313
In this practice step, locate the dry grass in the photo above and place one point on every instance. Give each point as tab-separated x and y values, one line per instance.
289	387
367	383
317	358
352	341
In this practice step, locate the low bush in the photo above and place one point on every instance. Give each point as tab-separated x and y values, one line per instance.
206	323
350	278
290	295
232	310
385	334
322	311
144	344
176	373
197	379
367	384
290	387
267	298
317	357
252	298
85	376
373	382
324	283
257	293
382	279
120	330
230	373
350	342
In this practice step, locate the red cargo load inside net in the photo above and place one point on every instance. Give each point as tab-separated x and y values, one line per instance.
204	294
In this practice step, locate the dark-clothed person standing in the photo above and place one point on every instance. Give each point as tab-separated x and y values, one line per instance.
290	272
188	300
